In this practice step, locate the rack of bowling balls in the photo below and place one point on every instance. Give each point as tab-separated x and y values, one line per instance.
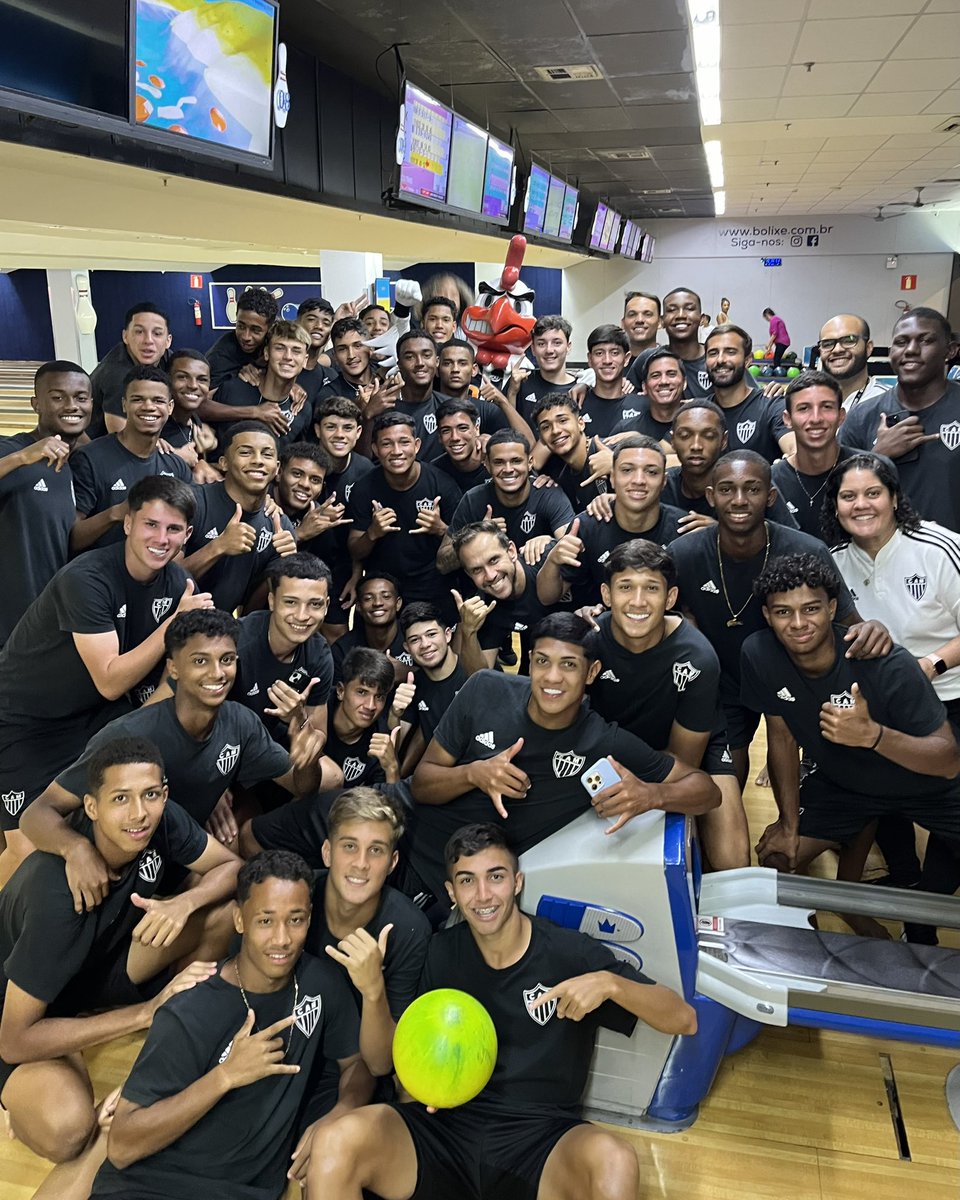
762	366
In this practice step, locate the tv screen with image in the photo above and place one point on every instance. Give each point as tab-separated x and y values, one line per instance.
538	186
427	129
568	214
599	222
554	209
468	161
497	181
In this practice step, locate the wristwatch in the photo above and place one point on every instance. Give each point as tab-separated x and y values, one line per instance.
939	666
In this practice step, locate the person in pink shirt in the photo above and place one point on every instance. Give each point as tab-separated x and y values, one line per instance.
779	338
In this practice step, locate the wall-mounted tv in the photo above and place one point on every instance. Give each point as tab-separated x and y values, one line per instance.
497	181
568	214
554	209
427	132
204	72
599	222
611	227
468	162
538	187
647	243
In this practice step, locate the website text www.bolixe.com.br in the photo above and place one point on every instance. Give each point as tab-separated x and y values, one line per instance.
748	237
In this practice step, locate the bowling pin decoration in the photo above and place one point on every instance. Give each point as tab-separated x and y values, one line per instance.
281	93
232	305
85	313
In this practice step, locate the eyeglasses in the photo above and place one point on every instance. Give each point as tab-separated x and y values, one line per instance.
848	339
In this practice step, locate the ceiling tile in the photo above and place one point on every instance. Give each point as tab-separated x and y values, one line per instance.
577	120
447	62
770	44
832	9
909	75
946	102
831	41
537	120
917	141
891	104
797	108
498	22
591	94
499	97
626	16
749	110
662	53
654	89
744	12
829	78
750	83
940	31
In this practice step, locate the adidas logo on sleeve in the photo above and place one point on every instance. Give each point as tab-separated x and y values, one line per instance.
711	587
119	486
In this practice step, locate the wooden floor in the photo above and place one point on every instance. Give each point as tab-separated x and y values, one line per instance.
797	1115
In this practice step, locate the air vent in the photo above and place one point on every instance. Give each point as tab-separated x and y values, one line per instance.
946	181
627	154
577	73
652	191
950	125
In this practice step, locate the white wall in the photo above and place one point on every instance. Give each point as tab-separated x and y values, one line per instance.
844	271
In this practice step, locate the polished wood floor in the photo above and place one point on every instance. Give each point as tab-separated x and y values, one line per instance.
797	1115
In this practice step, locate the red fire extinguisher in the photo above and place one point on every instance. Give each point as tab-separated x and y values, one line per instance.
197	318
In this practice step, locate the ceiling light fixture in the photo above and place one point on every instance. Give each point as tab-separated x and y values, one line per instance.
705	23
719	203
714	152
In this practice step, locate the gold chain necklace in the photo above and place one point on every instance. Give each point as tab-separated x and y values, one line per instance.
296	997
735	616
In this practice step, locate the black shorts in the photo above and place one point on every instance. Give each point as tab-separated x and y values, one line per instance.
300	826
742	724
835	814
473	1154
31	756
717	759
336	613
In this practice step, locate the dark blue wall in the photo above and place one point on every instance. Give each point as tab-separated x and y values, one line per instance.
25	328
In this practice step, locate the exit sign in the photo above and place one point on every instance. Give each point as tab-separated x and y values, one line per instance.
908	283
773	262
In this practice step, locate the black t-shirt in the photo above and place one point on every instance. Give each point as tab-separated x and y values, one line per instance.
232	577
104	472
534	388
106	386
357	637
240	1148
637	418
359	768
226	358
697	380
408	557
425	418
569	480
897	693
239	394
37	512
332	545
514	615
634	371
406	943
59	956
237	750
756	423
601	537
432	699
601	416
487	716
545	510
929	474
701	592
542	1061
258	669
674	494
803	494
465	480
42	677
677	680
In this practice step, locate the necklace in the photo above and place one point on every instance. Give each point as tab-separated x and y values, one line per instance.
735	616
803	489
296	997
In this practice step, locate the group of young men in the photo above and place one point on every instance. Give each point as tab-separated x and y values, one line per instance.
650	533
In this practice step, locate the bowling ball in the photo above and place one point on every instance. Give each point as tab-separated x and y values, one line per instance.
758	354
445	1048
754	368
793	372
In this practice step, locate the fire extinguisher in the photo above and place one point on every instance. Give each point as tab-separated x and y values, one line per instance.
197	317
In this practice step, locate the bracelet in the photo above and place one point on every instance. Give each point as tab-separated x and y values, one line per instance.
877	742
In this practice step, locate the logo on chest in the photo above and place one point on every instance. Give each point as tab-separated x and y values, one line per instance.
150	867
352	769
746	430
567	764
430	422
348	488
841	699
950	435
543	1012
684	673
916	586
527	522
424	505
13	802
161	606
264	538
307	1014
227	758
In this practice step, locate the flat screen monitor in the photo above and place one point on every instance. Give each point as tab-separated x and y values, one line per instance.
468	161
599	220
427	128
626	238
538	185
497	181
568	214
554	210
610	226
205	72
646	248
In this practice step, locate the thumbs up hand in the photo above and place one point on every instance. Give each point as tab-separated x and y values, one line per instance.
851	724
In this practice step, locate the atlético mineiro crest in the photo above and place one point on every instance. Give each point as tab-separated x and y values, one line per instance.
746	430
227	758
430	422
352	769
842	699
161	606
567	764
527	522
950	435
684	673
703	379
13	802
542	1014
150	866
307	1014
264	538
916	585
424	505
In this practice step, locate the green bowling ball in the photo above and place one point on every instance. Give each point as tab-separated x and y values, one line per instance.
445	1048
793	372
754	369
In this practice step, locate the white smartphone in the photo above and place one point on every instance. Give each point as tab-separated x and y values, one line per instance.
601	775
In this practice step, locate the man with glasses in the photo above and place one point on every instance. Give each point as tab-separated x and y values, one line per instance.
845	347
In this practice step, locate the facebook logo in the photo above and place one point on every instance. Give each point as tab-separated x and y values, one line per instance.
813	239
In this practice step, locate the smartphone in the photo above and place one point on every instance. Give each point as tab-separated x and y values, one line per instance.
895	418
601	775
299	678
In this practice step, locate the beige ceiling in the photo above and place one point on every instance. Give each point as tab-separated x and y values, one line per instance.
60	210
859	128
